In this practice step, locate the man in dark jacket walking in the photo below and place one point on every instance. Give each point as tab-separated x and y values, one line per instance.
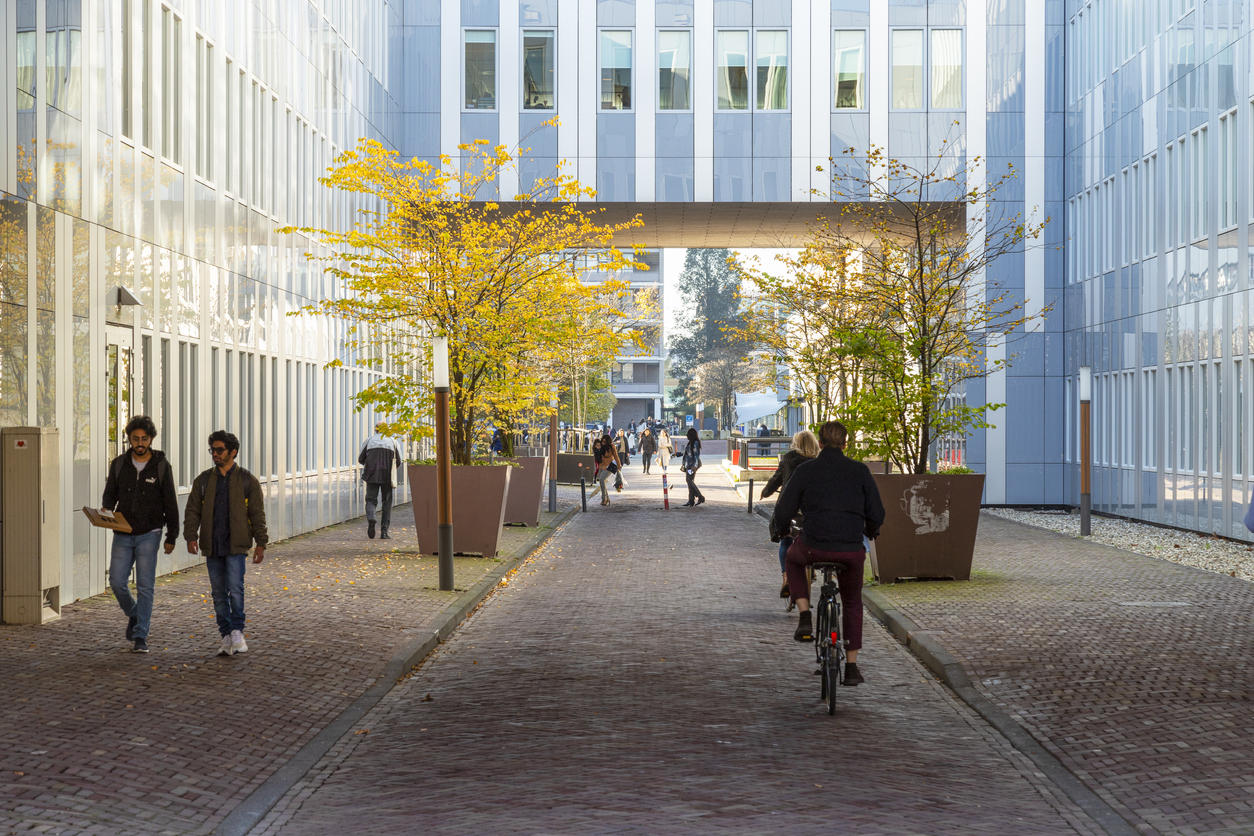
381	460
141	487
841	504
226	514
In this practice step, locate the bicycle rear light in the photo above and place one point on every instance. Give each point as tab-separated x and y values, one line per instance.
835	638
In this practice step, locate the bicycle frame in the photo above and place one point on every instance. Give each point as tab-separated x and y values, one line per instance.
829	645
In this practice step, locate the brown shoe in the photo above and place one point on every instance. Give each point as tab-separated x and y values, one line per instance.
783	590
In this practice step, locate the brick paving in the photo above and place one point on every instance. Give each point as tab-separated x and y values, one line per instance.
638	675
1134	672
97	739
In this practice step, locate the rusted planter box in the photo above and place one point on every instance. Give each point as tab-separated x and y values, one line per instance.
527	478
929	527
479	495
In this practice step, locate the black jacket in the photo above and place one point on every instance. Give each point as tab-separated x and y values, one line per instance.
787	464
146	499
840	501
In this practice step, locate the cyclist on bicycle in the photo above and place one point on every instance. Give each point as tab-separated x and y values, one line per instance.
841	503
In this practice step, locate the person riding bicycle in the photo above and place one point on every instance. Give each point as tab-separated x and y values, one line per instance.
841	504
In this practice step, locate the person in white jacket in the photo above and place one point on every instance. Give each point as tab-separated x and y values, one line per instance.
381	459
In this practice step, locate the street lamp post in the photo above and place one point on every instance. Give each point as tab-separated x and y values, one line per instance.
553	458
1086	500
443	462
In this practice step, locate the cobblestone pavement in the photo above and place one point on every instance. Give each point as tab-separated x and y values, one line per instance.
639	675
97	739
1134	672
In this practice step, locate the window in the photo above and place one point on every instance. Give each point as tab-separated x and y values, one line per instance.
204	108
947	69
538	70
1149	403
849	66
1198	185
1238	423
231	152
480	53
1227	170
127	47
907	69
772	69
733	70
616	70
145	73
172	86
674	65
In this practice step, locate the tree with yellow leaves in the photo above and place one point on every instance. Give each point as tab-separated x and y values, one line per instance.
890	309
439	255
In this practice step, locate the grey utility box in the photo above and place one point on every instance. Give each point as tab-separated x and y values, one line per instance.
30	512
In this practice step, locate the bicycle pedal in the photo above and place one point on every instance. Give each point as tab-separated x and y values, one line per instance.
818	672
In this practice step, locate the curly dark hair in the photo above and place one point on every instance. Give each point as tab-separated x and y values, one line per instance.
228	439
141	422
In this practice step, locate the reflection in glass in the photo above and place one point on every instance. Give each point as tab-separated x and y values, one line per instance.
849	63
947	68
907	69
538	62
674	61
733	70
480	50
616	70
772	70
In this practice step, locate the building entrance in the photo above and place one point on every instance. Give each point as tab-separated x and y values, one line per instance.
119	385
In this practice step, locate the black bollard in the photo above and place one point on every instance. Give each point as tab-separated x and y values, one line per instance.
750	496
583	493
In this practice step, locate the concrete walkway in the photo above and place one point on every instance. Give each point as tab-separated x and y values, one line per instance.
1136	673
639	676
97	739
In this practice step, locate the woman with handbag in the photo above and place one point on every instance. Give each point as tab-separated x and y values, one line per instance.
665	448
691	464
609	465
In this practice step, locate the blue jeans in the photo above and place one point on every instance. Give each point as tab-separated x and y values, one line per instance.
140	551
226	579
784	543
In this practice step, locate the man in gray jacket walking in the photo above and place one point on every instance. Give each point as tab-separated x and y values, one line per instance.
380	459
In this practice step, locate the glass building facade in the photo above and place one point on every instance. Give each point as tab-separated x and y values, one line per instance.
155	147
152	147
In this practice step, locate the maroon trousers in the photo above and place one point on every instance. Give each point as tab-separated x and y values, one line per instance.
850	582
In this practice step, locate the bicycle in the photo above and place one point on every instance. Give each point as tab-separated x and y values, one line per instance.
829	644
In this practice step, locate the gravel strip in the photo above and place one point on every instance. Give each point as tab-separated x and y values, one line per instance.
1210	553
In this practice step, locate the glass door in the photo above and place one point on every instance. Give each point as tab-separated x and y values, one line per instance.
119	385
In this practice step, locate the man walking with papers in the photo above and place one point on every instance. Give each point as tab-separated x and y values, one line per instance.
381	459
141	487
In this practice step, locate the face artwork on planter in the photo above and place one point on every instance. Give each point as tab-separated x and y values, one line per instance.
928	507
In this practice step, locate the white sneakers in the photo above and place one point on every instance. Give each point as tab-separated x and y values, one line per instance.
232	644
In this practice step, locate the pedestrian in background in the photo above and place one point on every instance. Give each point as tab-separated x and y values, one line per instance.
623	447
609	465
805	446
381	461
226	514
763	432
141	487
498	441
665	449
648	448
692	463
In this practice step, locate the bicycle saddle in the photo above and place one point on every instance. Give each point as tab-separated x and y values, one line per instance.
835	567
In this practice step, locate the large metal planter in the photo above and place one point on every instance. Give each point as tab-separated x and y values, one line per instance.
479	495
526	489
570	466
930	526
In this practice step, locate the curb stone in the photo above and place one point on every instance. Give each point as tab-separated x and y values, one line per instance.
949	670
248	813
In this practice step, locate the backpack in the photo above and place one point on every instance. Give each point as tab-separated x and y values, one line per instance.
163	469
